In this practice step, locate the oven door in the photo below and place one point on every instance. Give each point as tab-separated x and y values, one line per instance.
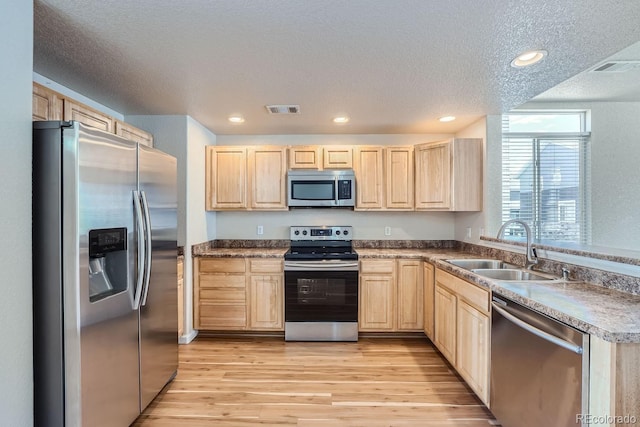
321	296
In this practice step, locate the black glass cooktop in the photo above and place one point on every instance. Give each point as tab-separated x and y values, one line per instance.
319	254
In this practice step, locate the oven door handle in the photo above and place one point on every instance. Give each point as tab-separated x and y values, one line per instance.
538	332
319	266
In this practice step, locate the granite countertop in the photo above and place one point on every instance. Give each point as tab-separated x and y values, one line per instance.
243	252
606	313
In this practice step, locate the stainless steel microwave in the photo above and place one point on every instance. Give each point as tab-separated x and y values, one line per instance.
324	189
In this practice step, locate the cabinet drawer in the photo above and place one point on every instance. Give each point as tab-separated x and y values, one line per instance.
222	265
222	296
221	281
473	294
265	266
214	316
377	266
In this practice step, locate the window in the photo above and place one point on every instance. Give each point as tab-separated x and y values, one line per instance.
545	180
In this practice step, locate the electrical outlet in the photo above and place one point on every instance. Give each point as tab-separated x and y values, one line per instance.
468	232
387	231
260	230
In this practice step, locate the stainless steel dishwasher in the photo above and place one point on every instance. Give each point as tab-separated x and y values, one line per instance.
539	368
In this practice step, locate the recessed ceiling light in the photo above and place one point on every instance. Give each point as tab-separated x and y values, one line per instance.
236	119
340	120
447	118
529	57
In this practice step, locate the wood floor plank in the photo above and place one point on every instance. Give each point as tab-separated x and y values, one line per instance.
375	382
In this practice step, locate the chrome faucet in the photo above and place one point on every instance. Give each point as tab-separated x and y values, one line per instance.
532	256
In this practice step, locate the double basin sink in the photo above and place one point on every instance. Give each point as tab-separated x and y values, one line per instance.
497	270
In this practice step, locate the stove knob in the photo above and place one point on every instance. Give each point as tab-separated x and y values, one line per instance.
345	232
337	232
304	232
297	232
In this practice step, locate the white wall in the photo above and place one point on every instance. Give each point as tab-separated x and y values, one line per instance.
367	225
185	138
16	351
615	173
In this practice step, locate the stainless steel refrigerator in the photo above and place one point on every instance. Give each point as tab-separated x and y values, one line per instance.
104	275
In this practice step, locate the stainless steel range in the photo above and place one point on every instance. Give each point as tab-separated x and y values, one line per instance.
321	285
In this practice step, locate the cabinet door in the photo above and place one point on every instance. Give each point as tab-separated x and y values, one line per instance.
399	178
410	296
226	178
305	157
466	181
46	104
473	348
337	157
265	302
433	176
429	296
377	300
445	323
134	134
368	167
90	117
267	177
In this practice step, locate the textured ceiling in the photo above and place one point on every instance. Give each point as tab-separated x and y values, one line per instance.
393	66
598	86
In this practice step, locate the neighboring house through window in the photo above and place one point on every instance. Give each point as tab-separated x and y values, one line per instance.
545	174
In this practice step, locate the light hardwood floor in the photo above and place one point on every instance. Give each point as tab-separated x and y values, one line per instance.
265	381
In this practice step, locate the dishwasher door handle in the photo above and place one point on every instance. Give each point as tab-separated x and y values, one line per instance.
538	332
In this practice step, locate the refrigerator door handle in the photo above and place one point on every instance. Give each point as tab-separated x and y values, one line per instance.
147	222
141	249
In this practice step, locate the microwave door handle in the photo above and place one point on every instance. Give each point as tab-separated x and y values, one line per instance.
336	201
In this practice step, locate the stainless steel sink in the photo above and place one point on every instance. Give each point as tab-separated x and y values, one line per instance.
472	264
508	274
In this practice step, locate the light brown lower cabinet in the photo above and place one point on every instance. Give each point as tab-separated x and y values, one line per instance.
391	295
180	296
238	294
462	329
265	295
428	278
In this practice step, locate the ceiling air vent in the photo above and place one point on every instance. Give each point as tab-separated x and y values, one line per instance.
617	67
283	109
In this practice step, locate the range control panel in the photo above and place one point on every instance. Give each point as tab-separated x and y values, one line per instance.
322	233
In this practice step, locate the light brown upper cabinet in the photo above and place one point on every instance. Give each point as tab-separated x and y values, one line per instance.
305	157
321	157
51	105
384	177
239	178
368	167
268	178
449	175
81	113
46	104
337	157
399	178
134	134
226	178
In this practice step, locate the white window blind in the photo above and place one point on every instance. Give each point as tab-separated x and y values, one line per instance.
545	180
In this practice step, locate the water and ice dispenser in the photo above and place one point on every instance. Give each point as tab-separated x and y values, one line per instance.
107	262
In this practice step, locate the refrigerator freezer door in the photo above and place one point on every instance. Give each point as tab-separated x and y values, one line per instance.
159	307
101	334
